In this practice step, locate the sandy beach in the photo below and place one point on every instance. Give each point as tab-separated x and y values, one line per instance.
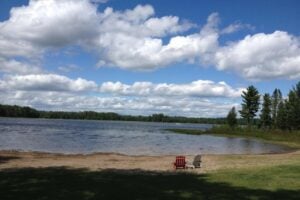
102	161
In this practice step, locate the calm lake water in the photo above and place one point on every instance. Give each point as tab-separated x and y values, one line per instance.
132	138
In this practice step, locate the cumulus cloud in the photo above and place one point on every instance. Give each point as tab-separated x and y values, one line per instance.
262	56
138	40
54	82
135	33
49	23
56	23
46	82
130	51
194	107
200	88
134	39
56	92
13	66
14	47
140	22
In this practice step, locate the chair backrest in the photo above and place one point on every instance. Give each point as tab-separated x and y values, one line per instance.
197	161
180	161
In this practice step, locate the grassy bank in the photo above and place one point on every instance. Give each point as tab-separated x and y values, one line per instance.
291	139
64	183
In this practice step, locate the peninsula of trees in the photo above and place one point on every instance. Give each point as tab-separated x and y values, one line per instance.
276	112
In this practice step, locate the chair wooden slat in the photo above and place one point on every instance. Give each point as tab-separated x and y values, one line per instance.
180	162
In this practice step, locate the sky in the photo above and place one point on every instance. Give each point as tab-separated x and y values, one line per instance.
184	58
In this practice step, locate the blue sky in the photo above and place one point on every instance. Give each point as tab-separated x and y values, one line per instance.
189	58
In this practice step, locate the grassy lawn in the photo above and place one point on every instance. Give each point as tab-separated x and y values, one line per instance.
65	183
288	138
282	177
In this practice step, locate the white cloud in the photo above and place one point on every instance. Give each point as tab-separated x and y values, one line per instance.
56	92
134	36
54	82
12	66
69	68
56	23
136	39
139	22
46	82
47	23
14	47
194	107
145	53
262	56
200	88
236	27
99	1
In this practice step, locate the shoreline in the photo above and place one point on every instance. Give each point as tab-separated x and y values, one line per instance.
291	150
11	159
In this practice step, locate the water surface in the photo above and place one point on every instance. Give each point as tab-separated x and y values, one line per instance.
131	138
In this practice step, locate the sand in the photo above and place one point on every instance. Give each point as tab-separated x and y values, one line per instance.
101	161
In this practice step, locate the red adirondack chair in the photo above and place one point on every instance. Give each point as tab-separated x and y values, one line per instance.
179	162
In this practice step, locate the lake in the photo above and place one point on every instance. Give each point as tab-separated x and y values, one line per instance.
131	138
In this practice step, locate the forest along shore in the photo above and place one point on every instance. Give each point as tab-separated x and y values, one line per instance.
102	161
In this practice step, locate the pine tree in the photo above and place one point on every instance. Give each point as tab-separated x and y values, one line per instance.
293	108
282	116
231	118
297	110
276	99
250	104
297	89
265	116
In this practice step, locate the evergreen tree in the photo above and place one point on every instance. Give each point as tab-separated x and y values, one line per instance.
282	116
265	116
250	104
297	107
276	99
297	89
293	108
231	118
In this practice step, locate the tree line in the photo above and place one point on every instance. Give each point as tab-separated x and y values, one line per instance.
27	112
276	112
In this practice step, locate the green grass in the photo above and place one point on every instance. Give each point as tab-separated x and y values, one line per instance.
80	184
291	139
269	178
